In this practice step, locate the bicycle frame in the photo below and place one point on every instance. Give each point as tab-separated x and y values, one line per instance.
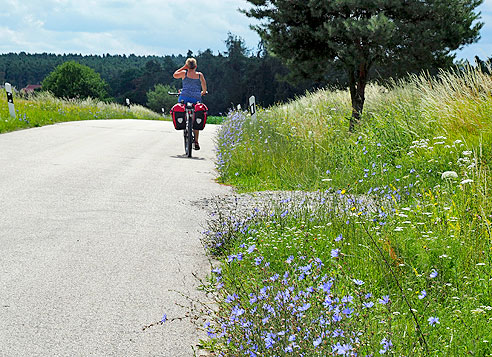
188	133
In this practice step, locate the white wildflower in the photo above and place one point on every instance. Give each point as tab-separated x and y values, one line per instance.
464	182
449	175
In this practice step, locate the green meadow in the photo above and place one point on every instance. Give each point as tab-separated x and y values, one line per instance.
44	109
380	242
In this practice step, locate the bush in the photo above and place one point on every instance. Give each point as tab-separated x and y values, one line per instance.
74	80
158	98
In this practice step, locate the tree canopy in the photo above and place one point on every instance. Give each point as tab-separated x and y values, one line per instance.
74	80
312	36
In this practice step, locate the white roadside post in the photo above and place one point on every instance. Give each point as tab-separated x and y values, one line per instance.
128	102
252	107
10	99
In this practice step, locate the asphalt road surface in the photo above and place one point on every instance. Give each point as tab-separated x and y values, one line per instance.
99	238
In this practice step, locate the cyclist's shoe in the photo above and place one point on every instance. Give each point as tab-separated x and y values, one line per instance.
197	147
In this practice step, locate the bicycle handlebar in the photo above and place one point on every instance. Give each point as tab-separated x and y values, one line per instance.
178	93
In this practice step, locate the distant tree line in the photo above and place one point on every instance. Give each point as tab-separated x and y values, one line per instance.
231	77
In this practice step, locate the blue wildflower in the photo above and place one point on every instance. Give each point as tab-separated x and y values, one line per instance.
386	345
269	342
327	286
384	300
433	320
358	282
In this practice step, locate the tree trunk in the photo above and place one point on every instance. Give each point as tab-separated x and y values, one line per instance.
357	84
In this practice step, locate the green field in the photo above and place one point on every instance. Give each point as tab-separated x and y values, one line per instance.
215	119
381	244
44	109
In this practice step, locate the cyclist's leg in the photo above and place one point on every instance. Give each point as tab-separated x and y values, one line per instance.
197	146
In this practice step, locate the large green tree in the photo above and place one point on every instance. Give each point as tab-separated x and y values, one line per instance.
313	35
75	80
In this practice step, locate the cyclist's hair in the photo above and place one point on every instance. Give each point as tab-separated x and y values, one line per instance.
191	63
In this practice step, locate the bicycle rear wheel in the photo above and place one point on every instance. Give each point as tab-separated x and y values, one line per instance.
189	136
185	137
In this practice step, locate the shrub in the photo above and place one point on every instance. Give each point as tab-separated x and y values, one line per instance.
158	98
74	80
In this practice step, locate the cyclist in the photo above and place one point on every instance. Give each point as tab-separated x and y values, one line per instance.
194	86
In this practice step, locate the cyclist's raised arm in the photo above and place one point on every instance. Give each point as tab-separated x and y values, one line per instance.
204	84
181	72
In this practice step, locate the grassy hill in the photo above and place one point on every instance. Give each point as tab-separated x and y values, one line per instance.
44	109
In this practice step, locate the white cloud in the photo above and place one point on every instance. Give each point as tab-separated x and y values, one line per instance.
145	27
122	26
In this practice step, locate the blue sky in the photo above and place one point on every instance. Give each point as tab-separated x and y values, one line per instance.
144	27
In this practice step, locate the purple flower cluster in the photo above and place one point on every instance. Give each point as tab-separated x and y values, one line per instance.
301	311
229	136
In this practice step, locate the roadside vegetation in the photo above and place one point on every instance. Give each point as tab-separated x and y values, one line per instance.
43	109
381	243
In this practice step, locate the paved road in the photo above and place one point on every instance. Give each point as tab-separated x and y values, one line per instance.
99	238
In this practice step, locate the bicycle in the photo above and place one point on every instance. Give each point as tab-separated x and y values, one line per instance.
189	135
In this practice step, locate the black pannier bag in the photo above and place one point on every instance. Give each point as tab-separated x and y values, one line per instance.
178	114
200	116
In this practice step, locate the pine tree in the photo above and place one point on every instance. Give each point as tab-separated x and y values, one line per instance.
312	36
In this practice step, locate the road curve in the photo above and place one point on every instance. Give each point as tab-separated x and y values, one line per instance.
99	238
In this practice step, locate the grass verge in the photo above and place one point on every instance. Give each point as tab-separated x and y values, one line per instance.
391	254
44	109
